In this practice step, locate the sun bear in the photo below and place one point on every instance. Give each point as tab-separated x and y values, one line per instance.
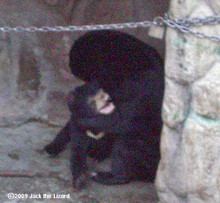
131	72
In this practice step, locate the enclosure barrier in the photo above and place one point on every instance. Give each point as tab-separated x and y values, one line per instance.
181	24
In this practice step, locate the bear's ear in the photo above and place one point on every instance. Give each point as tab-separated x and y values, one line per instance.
80	89
71	98
88	89
95	84
76	90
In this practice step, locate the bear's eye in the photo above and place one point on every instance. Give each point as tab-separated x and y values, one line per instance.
93	104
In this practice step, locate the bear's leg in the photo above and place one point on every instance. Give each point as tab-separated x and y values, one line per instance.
121	171
60	142
79	146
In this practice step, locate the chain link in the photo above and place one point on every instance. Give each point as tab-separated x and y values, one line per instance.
181	24
72	28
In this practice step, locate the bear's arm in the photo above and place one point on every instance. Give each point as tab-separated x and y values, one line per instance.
120	122
108	124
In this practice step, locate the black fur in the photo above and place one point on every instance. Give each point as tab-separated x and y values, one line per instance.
132	73
99	149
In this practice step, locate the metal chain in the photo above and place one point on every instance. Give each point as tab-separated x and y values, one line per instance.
72	28
181	24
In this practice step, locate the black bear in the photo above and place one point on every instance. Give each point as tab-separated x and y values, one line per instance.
86	101
132	73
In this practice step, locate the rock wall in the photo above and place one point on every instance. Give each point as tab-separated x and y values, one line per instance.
34	73
33	68
189	170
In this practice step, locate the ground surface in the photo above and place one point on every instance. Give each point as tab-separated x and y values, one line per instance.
48	178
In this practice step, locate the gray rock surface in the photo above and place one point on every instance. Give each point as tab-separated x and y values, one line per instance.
190	145
19	151
34	66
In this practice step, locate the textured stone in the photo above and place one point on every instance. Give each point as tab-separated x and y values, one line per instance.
189	54
170	141
215	6
176	103
189	168
31	65
189	164
206	94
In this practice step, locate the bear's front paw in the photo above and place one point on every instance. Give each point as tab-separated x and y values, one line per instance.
80	182
52	149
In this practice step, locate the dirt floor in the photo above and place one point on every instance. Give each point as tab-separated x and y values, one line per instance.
48	180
